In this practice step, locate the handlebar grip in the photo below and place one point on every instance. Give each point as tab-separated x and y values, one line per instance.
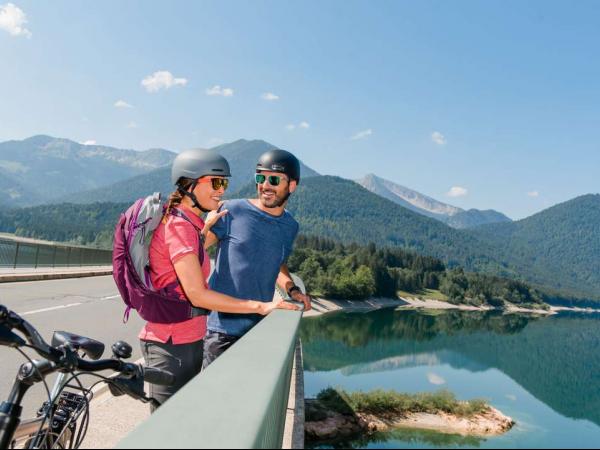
158	376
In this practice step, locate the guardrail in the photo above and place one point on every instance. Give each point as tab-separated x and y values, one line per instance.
239	401
16	253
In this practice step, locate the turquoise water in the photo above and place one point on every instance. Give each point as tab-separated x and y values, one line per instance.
544	372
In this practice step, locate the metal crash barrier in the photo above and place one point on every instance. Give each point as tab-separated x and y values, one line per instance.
239	401
16	253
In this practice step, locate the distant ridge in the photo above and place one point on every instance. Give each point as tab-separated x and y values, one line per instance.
42	168
427	206
241	154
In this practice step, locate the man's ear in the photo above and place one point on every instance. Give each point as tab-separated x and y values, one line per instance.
293	186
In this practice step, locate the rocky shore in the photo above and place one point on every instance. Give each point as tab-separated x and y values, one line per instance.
332	425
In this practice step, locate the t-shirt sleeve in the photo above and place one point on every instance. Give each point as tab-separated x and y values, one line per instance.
181	238
220	229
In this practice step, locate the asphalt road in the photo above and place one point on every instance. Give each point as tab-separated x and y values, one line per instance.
90	307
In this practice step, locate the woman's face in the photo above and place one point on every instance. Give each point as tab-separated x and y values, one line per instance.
207	195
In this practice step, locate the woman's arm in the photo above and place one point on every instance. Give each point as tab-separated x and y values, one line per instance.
192	281
212	218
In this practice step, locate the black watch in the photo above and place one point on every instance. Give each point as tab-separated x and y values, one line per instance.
292	290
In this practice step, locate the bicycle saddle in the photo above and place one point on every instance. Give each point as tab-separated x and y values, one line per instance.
93	349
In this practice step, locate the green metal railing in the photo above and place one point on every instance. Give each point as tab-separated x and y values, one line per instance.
16	253
240	401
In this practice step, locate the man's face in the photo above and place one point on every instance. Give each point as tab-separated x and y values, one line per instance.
272	196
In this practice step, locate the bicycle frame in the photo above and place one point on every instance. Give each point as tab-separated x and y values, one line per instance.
40	425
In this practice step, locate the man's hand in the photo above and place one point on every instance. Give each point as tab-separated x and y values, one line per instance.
303	298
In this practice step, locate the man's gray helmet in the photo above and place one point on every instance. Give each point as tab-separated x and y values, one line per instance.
199	163
280	161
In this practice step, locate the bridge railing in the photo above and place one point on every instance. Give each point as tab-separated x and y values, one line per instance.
17	253
239	401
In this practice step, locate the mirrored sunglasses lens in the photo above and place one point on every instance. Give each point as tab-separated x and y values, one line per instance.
260	179
218	183
274	181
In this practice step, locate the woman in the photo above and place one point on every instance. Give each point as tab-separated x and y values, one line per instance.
180	266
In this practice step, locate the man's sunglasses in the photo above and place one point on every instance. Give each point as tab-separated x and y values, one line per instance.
217	183
274	180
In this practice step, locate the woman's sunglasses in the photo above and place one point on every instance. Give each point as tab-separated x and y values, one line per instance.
217	183
274	180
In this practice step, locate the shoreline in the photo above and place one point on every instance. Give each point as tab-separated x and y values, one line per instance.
334	426
324	306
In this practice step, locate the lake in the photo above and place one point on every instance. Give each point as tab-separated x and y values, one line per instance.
544	372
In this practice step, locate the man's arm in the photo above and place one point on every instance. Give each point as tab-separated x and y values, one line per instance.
284	280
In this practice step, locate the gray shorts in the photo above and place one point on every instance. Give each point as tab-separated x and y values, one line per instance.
215	344
184	361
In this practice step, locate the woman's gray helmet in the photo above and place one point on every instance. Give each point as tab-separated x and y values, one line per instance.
199	163
280	161
194	164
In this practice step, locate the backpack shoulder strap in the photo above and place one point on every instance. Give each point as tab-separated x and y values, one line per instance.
177	213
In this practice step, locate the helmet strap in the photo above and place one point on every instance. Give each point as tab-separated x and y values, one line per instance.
193	197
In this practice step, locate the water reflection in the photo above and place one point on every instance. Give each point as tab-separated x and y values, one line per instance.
556	359
407	436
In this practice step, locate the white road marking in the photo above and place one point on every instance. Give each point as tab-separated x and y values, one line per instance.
37	311
70	305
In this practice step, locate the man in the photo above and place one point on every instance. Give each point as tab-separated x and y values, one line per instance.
255	240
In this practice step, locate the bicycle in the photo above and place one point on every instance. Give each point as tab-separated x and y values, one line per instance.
63	420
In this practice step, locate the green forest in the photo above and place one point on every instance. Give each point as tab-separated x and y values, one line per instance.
554	252
339	271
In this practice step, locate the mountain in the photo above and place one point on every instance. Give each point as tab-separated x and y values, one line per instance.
408	198
476	217
558	247
242	156
13	193
341	209
427	206
43	168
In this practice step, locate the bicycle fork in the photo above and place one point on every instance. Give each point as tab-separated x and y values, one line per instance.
11	410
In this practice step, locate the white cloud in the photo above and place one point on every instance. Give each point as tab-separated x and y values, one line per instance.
435	379
269	96
218	90
122	104
132	125
302	125
438	138
511	397
12	20
457	191
90	142
362	135
162	80
533	194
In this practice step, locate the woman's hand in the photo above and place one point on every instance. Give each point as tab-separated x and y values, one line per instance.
212	218
269	307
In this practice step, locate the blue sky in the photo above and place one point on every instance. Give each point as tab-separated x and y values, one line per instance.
494	102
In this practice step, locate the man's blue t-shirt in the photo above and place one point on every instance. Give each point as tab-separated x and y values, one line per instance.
252	247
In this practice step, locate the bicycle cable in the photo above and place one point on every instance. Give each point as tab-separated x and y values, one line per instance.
83	428
74	417
51	410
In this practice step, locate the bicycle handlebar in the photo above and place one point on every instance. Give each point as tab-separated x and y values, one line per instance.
67	359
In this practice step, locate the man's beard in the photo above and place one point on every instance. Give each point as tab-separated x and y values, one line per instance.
276	201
